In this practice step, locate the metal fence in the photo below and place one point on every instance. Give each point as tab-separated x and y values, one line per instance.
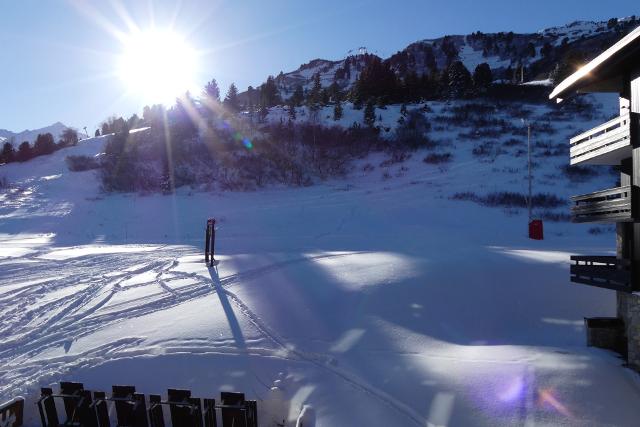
125	407
11	413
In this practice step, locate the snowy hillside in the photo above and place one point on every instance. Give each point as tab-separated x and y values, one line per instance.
505	52
375	299
580	29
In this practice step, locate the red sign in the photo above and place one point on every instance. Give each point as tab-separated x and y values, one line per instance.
536	231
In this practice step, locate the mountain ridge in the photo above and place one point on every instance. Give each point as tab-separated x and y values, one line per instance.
30	135
512	56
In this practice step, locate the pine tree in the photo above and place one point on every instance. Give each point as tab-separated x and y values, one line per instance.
334	92
508	73
459	80
269	93
411	87
231	100
181	124
377	80
8	153
531	50
212	91
315	96
314	99
97	134
263	112
292	111
133	122
449	49
482	77
45	144
403	110
24	152
337	111
298	96
430	58
546	50
370	114
251	101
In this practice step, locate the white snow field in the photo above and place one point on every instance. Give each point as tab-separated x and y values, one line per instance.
375	302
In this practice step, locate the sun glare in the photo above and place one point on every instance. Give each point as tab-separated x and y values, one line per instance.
157	66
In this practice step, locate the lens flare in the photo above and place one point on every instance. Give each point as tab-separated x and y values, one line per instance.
513	392
546	398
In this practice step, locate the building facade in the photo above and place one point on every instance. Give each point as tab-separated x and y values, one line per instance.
615	143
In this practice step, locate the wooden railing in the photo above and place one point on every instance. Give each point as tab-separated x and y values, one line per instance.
602	271
606	144
613	205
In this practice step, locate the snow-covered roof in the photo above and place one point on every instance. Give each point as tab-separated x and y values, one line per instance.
598	67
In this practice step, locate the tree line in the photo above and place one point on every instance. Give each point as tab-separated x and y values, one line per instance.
44	144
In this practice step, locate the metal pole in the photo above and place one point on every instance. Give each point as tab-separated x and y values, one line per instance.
207	239
213	242
529	161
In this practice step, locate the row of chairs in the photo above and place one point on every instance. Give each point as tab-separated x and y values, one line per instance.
94	408
11	412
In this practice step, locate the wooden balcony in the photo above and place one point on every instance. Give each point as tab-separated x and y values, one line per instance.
606	144
614	205
602	271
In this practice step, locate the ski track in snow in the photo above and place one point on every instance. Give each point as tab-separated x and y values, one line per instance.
53	297
31	328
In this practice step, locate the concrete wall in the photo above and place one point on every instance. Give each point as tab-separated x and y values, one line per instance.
629	311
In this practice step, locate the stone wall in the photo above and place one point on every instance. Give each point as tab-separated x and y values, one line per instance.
629	311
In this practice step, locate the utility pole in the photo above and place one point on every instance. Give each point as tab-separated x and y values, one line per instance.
529	203
529	161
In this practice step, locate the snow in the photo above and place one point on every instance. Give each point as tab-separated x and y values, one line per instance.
471	58
360	301
544	82
577	30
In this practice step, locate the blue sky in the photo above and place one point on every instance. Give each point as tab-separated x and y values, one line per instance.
58	58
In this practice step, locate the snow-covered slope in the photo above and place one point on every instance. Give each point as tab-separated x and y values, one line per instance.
375	299
583	29
502	51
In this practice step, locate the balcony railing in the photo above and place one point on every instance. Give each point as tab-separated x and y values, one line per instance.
602	271
614	205
606	144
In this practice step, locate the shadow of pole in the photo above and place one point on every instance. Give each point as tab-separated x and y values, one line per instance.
234	325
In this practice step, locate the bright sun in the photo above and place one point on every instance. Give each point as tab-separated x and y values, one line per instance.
157	66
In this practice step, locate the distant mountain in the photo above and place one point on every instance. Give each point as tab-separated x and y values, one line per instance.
511	56
55	129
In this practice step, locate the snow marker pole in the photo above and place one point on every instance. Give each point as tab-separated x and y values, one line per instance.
210	239
213	241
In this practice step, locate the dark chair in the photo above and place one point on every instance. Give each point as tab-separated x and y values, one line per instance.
131	409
